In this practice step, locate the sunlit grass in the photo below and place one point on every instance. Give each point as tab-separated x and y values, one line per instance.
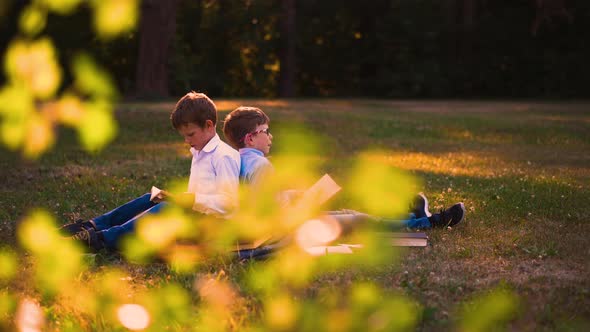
525	219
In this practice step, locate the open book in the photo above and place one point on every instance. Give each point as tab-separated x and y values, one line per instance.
321	191
317	194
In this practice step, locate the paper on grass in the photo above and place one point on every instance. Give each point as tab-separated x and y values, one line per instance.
406	239
325	250
155	192
398	239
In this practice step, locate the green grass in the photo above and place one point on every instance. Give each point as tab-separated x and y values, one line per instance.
522	169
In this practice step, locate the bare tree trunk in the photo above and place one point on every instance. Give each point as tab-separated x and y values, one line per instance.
467	43
156	31
451	58
287	50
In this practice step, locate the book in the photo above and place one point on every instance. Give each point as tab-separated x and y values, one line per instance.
399	239
321	191
154	192
407	239
325	250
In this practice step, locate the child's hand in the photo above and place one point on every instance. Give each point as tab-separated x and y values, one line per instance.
162	196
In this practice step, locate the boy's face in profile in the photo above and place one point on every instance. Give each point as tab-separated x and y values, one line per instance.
196	136
260	139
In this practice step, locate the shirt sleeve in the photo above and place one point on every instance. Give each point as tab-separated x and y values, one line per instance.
261	171
225	197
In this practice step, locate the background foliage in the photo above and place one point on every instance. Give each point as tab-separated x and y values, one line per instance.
379	48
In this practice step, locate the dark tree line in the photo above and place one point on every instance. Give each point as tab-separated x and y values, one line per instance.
346	48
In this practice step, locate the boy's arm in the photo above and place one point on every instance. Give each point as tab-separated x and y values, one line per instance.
261	171
225	197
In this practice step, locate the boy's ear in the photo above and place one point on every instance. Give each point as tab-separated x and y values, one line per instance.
209	124
247	140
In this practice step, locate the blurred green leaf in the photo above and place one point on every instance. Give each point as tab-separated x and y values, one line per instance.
58	260
113	17
91	79
39	136
62	7
32	20
8	264
97	127
489	312
7	307
34	65
379	188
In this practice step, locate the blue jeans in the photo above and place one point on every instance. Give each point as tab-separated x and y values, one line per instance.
349	219
413	222
122	220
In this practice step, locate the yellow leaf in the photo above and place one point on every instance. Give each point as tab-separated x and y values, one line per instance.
281	312
62	7
13	130
91	79
379	188
70	110
113	17
37	232
489	312
97	127
32	20
8	264
34	65
7	306
15	100
39	136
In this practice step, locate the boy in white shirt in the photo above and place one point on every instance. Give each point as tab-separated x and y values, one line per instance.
213	181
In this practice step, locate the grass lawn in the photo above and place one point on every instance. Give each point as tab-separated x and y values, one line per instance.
521	168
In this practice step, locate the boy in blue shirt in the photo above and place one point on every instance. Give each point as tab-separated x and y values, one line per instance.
247	129
212	187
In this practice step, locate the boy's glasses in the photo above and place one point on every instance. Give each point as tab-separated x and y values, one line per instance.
266	131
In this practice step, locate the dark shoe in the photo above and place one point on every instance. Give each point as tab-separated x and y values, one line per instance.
75	227
448	217
420	207
89	238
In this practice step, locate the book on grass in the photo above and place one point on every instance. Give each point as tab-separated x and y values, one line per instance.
326	250
407	239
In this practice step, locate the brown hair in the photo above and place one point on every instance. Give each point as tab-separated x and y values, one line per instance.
194	108
240	122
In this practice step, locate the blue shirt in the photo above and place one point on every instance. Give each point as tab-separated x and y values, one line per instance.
252	164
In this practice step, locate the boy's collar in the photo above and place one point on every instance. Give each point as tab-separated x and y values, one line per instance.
210	146
256	151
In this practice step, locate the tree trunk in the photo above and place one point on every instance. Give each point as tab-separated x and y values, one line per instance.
287	50
156	31
467	41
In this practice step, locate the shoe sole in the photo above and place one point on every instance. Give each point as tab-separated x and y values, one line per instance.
426	212
462	215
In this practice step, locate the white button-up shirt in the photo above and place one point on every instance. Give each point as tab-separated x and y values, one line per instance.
214	177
